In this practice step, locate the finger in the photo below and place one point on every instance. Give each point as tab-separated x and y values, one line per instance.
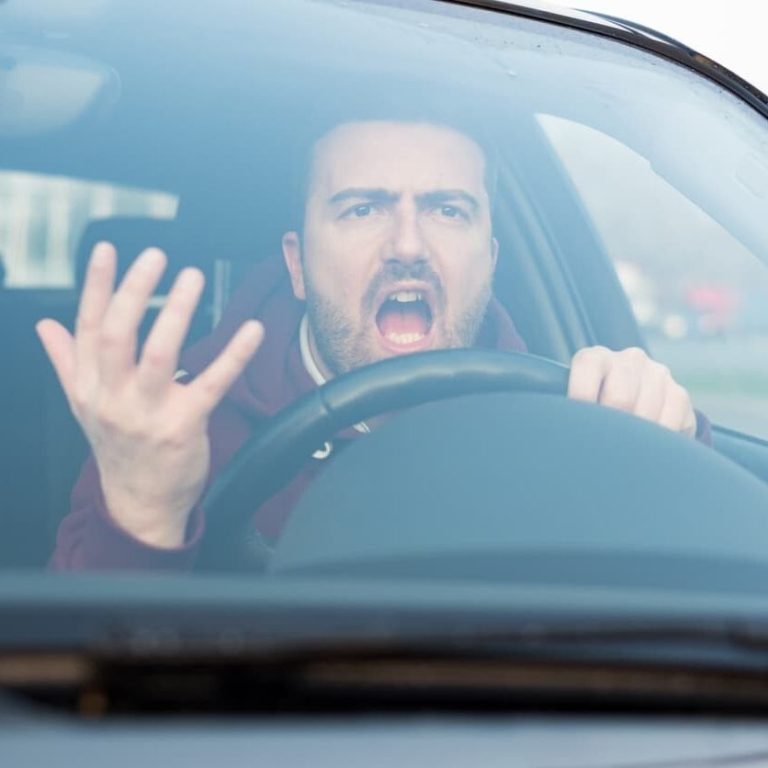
652	395
160	355
621	387
677	413
97	292
117	342
59	346
588	368
211	385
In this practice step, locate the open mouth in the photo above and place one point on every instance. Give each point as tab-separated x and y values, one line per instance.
404	319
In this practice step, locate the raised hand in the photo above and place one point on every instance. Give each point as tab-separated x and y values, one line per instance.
148	433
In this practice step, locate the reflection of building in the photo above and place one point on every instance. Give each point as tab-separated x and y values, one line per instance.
42	218
640	291
698	306
716	307
647	305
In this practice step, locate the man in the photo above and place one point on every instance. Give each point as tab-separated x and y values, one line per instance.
397	255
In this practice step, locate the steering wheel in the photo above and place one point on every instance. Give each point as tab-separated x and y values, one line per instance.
281	447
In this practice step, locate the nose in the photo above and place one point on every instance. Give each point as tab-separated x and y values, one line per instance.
408	243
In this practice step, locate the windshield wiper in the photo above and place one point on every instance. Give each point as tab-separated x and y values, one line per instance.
619	665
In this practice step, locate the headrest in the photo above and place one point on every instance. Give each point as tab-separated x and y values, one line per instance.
131	235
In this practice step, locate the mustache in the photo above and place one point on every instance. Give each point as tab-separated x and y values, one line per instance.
396	271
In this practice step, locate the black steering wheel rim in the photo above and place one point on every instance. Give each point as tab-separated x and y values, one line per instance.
277	452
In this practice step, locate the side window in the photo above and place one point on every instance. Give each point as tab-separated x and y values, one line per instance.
699	295
42	219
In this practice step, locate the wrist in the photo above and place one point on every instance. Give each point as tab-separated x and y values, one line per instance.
158	527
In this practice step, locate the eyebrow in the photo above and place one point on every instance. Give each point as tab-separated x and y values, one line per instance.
439	196
375	194
381	195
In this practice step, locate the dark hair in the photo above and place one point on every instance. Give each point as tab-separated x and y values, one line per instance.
452	110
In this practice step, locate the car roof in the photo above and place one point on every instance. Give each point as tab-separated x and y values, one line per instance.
165	31
633	33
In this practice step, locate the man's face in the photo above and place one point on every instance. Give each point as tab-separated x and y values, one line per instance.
398	254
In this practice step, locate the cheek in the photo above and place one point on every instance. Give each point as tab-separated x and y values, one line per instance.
338	281
342	264
343	239
466	276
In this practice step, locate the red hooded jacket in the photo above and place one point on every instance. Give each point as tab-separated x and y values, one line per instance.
89	539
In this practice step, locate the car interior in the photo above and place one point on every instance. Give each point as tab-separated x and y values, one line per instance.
227	149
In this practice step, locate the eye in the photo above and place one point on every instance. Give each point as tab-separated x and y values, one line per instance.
361	211
453	212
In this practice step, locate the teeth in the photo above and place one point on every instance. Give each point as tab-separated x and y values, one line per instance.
405	338
405	297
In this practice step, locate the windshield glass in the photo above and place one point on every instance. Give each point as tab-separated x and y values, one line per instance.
265	199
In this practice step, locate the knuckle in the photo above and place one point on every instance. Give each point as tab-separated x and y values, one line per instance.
619	400
175	312
617	396
108	424
209	389
238	359
656	378
87	322
174	433
108	418
631	362
680	395
171	439
659	371
154	357
116	416
586	354
635	355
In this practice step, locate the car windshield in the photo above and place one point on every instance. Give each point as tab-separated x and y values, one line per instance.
379	293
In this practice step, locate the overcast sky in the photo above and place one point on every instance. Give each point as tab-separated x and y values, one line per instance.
732	33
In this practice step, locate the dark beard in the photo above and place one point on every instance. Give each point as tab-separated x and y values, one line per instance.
342	348
339	346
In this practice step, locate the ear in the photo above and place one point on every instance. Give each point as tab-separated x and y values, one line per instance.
292	256
494	252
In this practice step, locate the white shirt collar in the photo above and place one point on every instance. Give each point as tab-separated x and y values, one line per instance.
307	358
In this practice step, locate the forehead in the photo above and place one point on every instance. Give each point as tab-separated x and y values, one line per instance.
396	156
